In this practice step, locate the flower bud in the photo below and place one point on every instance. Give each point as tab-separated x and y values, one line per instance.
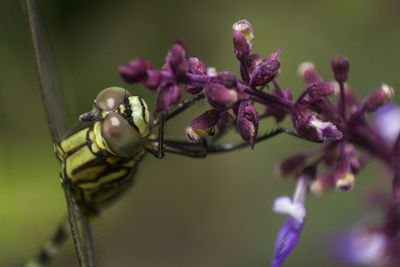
273	56
226	79
308	72
219	96
206	120
321	89
244	27
322	184
135	70
167	97
340	67
153	80
225	121
381	97
241	47
264	73
177	59
198	135
292	163
310	127
247	122
197	66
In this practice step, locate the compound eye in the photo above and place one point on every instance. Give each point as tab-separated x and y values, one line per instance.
121	138
110	98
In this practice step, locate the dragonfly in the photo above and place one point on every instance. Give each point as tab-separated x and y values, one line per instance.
99	158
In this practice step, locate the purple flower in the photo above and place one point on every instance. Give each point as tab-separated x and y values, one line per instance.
290	232
360	246
387	122
310	127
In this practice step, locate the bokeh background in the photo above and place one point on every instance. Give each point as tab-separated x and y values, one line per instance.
181	211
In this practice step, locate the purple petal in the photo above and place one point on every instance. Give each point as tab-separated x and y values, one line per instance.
247	122
264	73
387	122
206	120
241	47
135	70
380	97
167	97
177	59
286	241
219	96
225	120
359	246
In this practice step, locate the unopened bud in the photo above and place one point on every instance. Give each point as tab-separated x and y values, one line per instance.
219	96
340	67
206	120
177	59
241	47
321	89
167	97
153	79
225	121
135	70
381	97
226	79
247	122
308	72
292	163
321	185
197	66
264	73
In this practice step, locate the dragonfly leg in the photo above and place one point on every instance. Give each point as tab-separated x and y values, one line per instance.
158	150
185	104
200	150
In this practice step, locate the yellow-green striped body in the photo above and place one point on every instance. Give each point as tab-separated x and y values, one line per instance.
96	175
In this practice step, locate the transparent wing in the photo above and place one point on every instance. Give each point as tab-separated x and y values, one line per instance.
53	105
54	110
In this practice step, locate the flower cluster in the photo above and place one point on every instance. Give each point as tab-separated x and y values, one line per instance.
342	161
231	98
323	110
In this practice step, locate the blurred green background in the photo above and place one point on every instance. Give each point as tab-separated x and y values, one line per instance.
181	212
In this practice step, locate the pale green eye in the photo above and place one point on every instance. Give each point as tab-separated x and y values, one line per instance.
110	98
121	138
